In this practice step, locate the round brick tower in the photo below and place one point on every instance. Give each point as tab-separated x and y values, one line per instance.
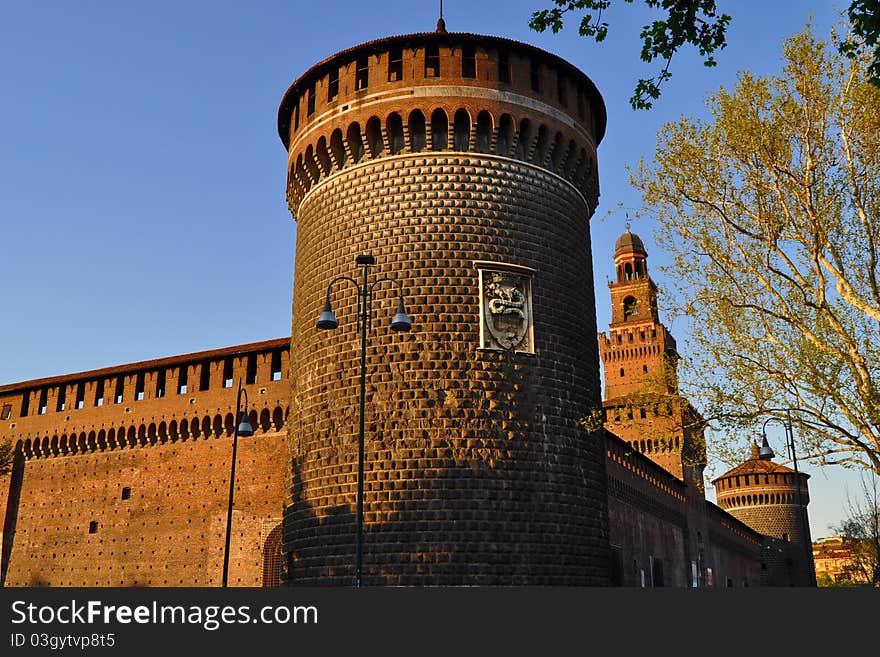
466	165
766	496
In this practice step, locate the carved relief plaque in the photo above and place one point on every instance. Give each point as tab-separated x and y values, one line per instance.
506	310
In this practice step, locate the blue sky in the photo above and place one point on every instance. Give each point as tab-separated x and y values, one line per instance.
142	178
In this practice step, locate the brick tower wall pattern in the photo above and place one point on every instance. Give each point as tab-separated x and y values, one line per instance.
477	469
135	493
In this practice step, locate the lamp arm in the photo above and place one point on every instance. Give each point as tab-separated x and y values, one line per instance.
342	278
387	278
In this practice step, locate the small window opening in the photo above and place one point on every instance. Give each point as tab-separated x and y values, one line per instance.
227	373
181	380
395	65
535	75
432	62
120	386
25	403
469	62
362	75
621	371
310	103
503	66
99	393
7	412
43	400
81	394
276	365
630	307
126	492
296	115
62	394
251	376
333	85
160	383
139	387
642	413
644	369
205	377
93	527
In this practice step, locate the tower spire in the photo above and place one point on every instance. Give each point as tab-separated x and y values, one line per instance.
441	24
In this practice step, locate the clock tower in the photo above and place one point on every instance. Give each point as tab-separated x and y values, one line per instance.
639	357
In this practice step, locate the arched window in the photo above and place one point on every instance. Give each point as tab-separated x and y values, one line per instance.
461	130
278	418
355	143
439	130
312	165
627	272
630	307
417	137
543	143
265	421
374	136
337	148
394	128
484	132
556	156
323	156
505	135
525	139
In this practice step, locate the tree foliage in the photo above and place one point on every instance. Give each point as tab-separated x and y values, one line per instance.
770	211
861	533
697	23
692	22
6	455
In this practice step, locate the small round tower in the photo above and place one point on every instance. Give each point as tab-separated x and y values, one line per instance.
771	499
466	165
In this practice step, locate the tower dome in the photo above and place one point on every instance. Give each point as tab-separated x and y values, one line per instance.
629	242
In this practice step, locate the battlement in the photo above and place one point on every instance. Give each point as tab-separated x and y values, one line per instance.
441	92
147	402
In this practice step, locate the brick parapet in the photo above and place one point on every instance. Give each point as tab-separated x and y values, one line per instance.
551	117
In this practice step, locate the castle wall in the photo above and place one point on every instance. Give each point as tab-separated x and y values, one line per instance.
647	511
132	489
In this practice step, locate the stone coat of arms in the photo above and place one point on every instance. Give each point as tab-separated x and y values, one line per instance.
506	311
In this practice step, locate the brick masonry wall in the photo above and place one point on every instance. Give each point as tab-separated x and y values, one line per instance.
170	532
74	463
477	470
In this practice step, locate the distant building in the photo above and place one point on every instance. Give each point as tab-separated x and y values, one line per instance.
834	563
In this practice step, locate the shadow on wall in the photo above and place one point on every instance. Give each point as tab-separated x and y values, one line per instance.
463	526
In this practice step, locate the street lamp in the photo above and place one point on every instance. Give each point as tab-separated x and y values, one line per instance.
327	321
766	453
242	428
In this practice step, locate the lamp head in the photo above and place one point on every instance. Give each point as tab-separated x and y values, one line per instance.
766	452
327	320
400	322
244	426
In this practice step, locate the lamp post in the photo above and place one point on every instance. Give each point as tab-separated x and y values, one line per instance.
327	321
766	452
242	427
